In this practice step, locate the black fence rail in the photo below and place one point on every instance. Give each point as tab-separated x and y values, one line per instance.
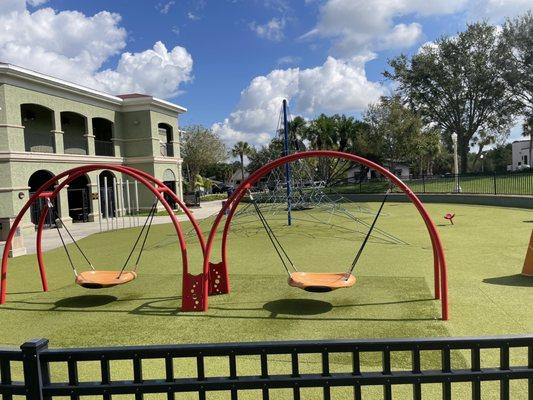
39	383
515	183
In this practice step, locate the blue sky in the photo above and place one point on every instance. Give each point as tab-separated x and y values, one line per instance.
231	61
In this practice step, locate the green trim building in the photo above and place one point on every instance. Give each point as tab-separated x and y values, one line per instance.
48	125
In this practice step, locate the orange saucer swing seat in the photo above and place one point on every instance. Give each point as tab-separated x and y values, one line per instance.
321	281
104	279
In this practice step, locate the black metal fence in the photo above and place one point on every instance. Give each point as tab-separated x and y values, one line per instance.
511	183
262	382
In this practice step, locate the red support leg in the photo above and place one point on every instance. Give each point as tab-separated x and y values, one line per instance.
193	298
218	279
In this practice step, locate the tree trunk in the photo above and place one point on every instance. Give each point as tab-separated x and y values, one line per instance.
242	167
192	180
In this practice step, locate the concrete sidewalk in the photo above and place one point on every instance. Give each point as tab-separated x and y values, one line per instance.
51	239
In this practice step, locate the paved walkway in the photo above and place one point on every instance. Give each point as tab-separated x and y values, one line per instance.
51	239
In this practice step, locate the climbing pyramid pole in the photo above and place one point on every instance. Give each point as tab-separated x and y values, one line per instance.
528	263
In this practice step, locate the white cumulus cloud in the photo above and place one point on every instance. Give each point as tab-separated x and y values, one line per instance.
361	26
271	30
74	47
334	87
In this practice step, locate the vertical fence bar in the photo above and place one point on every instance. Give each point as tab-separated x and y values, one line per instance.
137	374
446	368
123	207
475	361
137	202
325	372
494	183
504	366
233	374
106	376
106	198
417	387
98	205
264	374
169	375
200	371
295	374
5	376
356	370
387	388
35	377
530	366
128	198
115	202
73	377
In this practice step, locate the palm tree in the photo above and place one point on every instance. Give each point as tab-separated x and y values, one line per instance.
241	149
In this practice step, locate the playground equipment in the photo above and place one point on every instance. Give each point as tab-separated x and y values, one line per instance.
214	276
450	216
299	192
528	262
98	278
218	272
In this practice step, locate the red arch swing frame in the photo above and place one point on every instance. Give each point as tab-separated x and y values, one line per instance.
189	299
218	272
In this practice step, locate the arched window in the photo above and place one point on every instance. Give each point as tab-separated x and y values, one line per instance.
79	199
103	137
74	127
37	179
169	179
107	194
38	122
165	139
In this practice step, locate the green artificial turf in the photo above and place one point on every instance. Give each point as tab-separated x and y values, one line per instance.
393	297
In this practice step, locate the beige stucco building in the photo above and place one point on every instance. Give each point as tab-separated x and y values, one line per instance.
48	125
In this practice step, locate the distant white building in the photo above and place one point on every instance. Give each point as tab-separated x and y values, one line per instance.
237	178
521	155
400	169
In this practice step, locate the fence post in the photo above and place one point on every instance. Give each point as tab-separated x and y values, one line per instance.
423	183
36	374
494	180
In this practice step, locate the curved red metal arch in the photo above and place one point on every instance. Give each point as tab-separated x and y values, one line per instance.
151	183
220	270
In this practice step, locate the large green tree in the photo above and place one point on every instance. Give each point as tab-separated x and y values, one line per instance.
456	83
517	67
200	147
394	130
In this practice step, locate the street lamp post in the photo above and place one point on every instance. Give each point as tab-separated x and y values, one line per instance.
482	163
456	163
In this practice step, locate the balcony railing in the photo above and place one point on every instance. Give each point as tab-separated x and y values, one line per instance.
75	144
40	142
104	148
167	150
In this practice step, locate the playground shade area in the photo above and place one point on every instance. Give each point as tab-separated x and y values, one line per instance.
393	296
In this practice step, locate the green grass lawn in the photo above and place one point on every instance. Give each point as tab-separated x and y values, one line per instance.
485	250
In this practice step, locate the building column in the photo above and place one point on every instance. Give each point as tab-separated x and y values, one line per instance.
57	133
89	135
175	148
63	206
179	183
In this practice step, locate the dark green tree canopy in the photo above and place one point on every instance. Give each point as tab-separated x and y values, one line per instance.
200	147
456	83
